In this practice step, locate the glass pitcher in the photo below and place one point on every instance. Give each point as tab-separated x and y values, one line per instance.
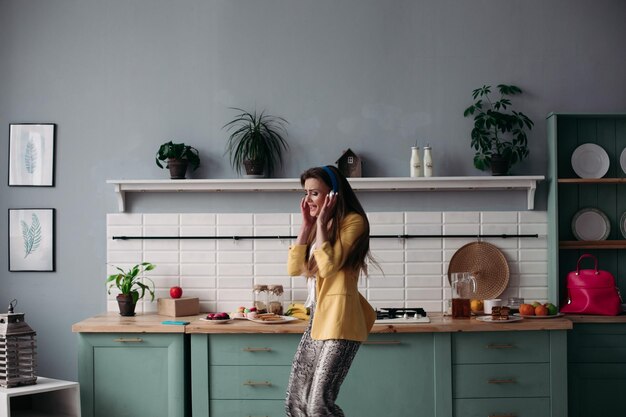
463	290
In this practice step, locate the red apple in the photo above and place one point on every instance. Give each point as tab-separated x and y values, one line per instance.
176	292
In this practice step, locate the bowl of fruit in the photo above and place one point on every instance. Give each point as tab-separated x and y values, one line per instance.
216	318
537	310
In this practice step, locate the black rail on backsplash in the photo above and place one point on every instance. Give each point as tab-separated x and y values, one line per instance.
479	236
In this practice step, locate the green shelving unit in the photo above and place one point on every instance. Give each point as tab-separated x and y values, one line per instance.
568	194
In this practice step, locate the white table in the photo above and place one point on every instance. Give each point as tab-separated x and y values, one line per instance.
47	398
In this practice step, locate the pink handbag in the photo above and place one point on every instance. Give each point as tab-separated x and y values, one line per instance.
592	291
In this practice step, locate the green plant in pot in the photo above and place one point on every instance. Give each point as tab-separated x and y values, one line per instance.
257	142
131	287
499	133
178	156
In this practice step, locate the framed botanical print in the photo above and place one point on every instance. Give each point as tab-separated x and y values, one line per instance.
31	155
31	240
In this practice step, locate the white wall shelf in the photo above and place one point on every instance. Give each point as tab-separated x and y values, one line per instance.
379	184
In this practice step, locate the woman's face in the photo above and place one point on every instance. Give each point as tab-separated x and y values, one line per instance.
315	192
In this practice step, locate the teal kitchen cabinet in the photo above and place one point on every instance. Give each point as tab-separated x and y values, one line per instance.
247	374
392	375
235	375
597	370
509	374
133	374
596	351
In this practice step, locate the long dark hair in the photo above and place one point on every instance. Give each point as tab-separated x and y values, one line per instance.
347	202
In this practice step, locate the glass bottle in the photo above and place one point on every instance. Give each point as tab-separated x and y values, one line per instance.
260	298
275	304
416	164
428	162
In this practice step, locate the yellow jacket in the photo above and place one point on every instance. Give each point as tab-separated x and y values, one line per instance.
341	311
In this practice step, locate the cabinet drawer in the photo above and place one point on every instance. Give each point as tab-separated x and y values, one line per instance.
262	349
248	382
248	408
488	380
597	343
501	347
505	407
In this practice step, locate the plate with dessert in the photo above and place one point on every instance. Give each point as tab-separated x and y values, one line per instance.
499	314
489	319
271	318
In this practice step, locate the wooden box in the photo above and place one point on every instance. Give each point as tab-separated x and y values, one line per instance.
176	307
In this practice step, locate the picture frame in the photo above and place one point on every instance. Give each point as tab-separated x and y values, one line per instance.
31	154
32	239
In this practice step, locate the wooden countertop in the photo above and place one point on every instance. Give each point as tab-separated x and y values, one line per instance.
151	323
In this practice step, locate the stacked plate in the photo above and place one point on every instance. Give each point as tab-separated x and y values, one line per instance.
591	224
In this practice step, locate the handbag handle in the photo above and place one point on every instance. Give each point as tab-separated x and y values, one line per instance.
586	255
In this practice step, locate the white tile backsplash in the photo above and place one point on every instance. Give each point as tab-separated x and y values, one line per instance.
414	271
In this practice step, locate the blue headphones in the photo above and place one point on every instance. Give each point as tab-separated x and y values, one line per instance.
333	178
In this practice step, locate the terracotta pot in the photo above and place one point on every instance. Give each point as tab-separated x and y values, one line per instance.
499	165
178	168
254	168
126	305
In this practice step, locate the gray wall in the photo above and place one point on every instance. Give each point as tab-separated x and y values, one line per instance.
120	77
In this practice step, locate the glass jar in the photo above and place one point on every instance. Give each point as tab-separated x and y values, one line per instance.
514	303
275	304
260	298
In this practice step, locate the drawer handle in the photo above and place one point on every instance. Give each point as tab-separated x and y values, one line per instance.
382	342
502	381
253	349
502	415
128	340
258	383
497	346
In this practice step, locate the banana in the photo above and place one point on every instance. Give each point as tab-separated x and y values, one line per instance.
298	310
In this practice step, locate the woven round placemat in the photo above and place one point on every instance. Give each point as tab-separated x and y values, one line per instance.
486	263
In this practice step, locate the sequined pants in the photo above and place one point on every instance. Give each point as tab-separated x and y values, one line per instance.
319	367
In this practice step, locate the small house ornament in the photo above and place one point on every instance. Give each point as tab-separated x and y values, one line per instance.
349	164
17	350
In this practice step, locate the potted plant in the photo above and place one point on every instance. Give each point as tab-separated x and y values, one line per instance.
179	156
499	136
256	142
131	287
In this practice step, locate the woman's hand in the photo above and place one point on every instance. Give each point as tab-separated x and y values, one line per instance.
327	210
307	219
308	222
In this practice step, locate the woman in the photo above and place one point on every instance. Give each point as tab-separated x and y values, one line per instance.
331	251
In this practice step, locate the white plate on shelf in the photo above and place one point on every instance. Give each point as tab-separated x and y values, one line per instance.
489	319
590	224
622	224
590	161
622	160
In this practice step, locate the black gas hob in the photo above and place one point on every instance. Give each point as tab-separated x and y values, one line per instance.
398	314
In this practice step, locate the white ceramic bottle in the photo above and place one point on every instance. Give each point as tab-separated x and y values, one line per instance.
416	164
428	162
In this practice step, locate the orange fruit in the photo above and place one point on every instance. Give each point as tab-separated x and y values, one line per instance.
541	310
476	306
526	310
